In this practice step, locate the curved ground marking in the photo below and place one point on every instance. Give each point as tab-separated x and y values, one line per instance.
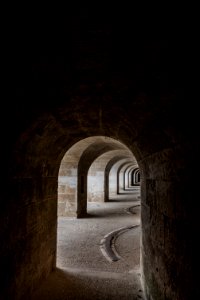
107	244
128	210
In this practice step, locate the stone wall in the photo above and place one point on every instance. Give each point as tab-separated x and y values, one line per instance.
107	83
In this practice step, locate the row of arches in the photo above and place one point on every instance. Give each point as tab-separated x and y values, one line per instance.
42	154
95	169
105	82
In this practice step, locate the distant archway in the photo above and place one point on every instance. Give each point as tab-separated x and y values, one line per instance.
73	173
135	176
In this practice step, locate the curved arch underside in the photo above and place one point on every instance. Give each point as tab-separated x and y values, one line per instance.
89	172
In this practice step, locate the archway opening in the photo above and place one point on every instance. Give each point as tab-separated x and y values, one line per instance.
95	200
97	153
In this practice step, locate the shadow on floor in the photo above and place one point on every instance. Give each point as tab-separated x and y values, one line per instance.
67	285
119	200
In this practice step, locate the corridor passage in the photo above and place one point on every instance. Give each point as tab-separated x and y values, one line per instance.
98	257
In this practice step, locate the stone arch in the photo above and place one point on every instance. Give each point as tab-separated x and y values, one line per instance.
130	177
135	176
109	166
74	169
121	176
87	158
114	181
98	175
33	178
126	177
31	174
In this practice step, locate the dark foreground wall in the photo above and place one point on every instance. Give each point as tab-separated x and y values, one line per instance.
131	93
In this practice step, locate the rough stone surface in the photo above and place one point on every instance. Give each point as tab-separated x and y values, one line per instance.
108	78
83	271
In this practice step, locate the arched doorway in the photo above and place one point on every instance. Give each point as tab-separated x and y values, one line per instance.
73	171
99	160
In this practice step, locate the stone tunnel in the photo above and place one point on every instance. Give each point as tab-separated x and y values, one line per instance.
107	106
